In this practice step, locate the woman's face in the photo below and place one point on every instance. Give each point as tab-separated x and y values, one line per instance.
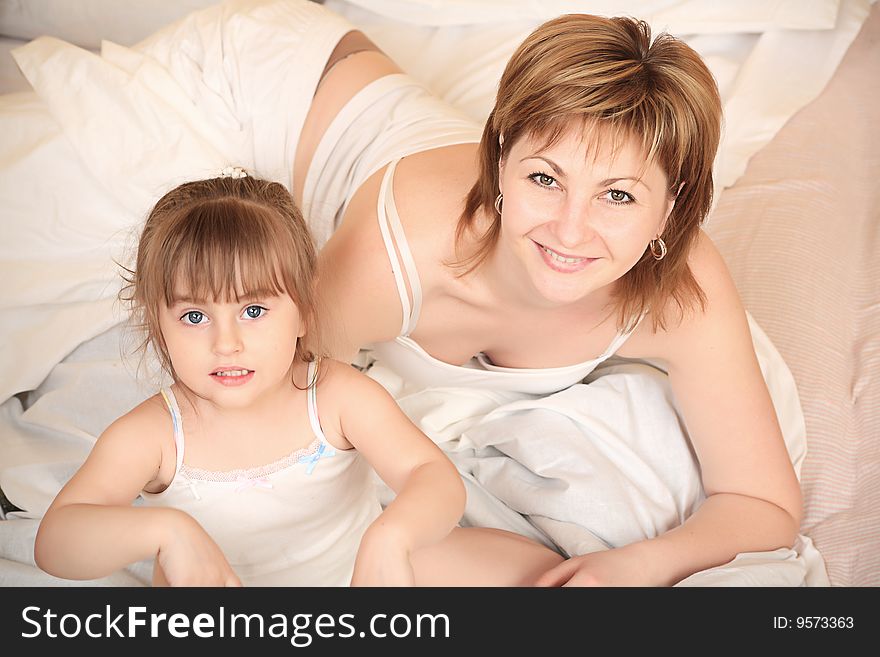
577	215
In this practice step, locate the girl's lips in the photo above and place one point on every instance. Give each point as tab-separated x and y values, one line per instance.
232	377
562	263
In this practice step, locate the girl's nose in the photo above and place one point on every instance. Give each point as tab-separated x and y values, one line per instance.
227	338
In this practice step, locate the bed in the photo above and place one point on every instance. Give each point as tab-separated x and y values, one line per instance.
796	219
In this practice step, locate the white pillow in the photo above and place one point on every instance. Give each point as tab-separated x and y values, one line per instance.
86	22
677	16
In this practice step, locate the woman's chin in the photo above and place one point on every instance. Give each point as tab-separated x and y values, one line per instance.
556	296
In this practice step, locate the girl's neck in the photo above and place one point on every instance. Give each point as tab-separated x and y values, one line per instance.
270	403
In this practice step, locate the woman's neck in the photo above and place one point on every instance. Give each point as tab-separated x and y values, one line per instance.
509	287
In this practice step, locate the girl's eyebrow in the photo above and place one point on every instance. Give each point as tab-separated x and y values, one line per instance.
256	295
177	299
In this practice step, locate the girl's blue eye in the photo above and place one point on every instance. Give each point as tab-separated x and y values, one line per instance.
193	317
253	312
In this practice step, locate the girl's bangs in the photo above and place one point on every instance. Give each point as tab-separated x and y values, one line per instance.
224	260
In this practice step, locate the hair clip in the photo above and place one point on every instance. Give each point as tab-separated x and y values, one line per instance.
501	140
233	172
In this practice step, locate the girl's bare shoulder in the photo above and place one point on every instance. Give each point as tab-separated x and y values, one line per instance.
147	429
151	415
343	382
345	395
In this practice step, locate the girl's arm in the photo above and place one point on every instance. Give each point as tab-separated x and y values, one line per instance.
91	530
430	494
753	496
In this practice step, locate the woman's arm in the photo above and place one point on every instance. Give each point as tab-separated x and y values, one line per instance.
91	530
754	499
430	494
753	496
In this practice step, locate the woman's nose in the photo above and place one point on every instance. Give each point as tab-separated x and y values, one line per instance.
573	227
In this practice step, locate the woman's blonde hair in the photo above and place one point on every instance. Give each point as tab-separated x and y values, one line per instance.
609	72
225	239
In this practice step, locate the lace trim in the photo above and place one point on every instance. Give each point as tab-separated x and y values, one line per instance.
235	476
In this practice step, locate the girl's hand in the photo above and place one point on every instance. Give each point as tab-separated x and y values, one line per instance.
189	557
382	561
624	566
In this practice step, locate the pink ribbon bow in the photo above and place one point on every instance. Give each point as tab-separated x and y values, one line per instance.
245	483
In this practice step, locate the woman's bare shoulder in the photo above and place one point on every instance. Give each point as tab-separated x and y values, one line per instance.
684	325
710	272
430	190
357	286
708	266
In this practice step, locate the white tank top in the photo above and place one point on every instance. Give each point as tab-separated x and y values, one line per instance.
295	522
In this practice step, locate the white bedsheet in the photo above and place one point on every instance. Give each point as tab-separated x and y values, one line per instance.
597	465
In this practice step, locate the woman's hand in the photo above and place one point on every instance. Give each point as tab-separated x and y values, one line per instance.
189	557
626	566
382	560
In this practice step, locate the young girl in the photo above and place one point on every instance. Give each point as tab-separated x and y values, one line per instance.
253	466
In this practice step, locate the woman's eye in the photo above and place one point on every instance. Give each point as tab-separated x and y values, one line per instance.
543	179
618	196
193	317
253	312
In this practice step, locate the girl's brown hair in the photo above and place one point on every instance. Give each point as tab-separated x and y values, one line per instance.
582	68
222	238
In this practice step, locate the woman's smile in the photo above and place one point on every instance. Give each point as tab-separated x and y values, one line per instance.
563	263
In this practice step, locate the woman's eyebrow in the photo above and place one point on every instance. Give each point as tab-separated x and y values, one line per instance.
608	181
635	179
556	168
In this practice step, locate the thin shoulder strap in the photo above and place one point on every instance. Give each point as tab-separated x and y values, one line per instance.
620	338
390	225
313	402
174	409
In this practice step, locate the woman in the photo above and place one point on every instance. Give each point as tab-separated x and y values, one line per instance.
503	268
571	230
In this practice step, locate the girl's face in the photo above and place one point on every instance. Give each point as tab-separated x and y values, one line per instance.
231	353
579	214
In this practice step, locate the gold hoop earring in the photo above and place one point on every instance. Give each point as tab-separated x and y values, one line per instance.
658	248
498	201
